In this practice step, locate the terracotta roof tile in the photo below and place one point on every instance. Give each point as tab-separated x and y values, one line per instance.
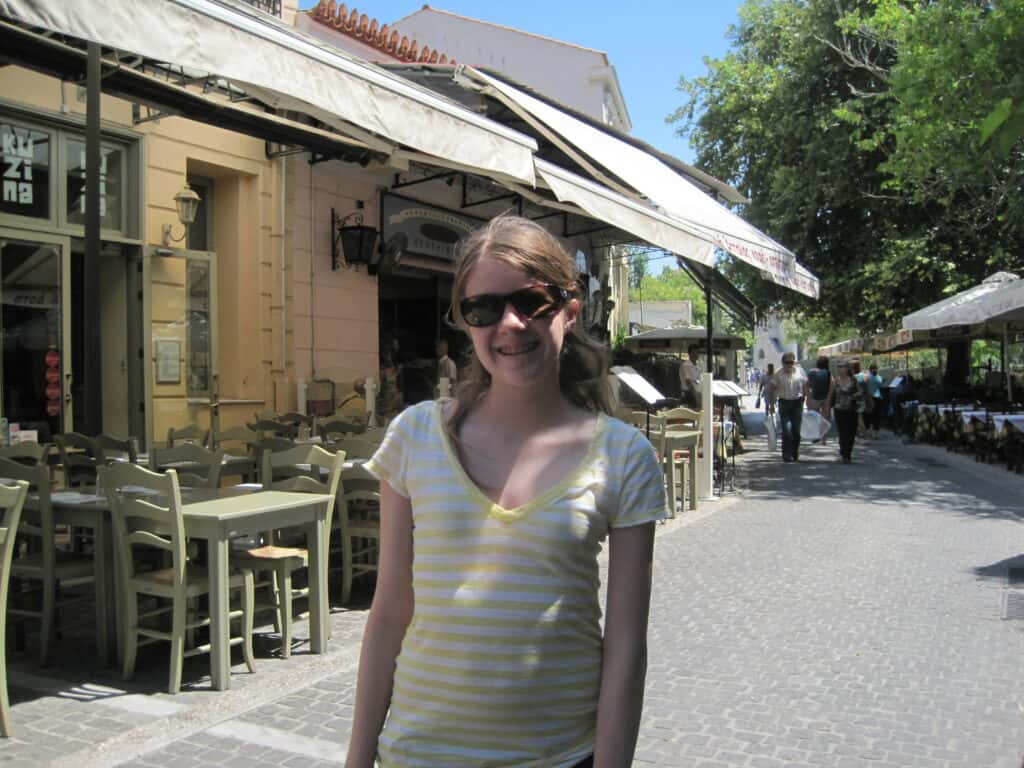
380	36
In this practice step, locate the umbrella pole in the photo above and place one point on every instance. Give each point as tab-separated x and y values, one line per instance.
1006	373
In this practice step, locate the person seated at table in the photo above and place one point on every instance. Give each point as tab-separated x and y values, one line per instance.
353	406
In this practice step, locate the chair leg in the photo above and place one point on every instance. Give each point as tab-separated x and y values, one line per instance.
5	706
284	608
47	628
346	567
248	608
130	635
178	613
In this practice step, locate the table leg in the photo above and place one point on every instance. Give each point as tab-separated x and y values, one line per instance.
693	476
220	650
319	611
670	475
105	584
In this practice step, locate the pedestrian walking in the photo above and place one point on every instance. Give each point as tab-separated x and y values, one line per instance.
844	398
790	389
873	416
867	403
818	382
767	394
484	643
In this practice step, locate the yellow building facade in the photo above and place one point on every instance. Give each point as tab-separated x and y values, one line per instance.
227	310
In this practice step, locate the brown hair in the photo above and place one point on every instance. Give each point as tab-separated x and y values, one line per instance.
524	245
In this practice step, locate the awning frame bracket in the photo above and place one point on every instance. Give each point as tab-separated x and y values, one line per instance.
399	184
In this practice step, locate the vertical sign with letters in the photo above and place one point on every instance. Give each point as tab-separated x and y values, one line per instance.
24	171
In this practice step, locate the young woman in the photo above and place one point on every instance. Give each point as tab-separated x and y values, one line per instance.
483	645
844	399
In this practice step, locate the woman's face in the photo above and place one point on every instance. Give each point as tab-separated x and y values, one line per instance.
517	351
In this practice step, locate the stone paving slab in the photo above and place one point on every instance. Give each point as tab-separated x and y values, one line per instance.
830	615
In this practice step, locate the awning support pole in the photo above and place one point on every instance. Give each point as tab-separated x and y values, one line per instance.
91	416
706	467
1006	354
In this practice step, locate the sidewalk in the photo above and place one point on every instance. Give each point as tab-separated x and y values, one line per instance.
825	615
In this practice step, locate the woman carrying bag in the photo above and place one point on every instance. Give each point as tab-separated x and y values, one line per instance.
844	399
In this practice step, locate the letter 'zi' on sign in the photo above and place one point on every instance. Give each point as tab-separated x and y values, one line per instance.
17	166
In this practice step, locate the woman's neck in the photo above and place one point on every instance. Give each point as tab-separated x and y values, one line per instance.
524	408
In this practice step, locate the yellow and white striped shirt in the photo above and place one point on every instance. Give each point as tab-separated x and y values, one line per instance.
501	663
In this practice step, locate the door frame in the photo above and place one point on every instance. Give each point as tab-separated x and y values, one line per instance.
150	252
64	243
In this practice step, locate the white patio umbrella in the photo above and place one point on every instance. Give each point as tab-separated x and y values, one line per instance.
998	300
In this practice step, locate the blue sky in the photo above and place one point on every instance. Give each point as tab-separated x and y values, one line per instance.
651	43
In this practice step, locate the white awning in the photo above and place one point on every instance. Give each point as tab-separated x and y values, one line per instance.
232	41
645	173
626	214
999	298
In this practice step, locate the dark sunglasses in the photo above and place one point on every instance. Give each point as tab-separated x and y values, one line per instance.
530	303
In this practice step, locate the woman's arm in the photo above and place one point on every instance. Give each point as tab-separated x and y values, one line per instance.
385	629
619	705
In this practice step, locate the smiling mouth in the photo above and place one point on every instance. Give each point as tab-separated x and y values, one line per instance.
519	349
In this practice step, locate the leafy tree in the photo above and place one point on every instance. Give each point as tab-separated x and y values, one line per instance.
863	132
637	268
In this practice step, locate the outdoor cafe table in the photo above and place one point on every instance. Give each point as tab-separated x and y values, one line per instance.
219	515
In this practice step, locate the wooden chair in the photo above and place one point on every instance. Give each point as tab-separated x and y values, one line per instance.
285	471
190	434
110	448
197	467
272	444
156	522
358	527
331	431
272	428
77	458
243	436
12	500
237	443
46	564
296	419
29	454
357	447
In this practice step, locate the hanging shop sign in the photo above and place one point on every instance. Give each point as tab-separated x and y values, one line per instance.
431	232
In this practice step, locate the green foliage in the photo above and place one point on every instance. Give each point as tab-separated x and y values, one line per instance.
671	285
637	268
881	140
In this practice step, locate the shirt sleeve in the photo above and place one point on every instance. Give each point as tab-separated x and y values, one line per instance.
389	463
642	493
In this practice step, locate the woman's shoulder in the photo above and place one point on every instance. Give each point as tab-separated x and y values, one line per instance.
620	438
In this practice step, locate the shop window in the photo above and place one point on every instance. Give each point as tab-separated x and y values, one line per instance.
199	352
25	168
111	184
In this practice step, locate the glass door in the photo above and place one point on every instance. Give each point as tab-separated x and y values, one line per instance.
35	386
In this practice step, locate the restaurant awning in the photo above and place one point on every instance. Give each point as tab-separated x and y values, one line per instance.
290	71
625	213
613	161
997	299
681	339
734	302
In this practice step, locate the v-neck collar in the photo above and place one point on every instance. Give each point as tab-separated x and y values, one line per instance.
494	508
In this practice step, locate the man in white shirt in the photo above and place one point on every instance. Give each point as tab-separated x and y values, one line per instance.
689	378
445	365
790	390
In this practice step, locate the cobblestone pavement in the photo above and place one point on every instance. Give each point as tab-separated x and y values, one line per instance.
828	615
